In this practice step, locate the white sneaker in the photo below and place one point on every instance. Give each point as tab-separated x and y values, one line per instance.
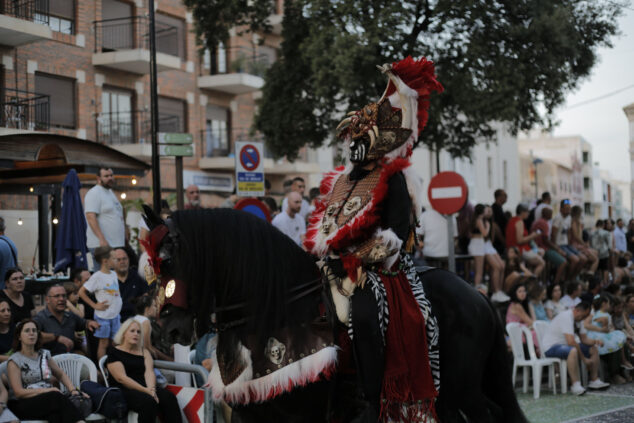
598	384
500	297
577	389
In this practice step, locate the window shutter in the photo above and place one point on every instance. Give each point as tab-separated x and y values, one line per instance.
61	92
63	9
172	115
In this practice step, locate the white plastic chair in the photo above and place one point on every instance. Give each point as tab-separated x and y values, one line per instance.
133	417
516	331
72	364
541	327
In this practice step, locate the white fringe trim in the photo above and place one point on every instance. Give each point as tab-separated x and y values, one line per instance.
415	189
391	241
245	389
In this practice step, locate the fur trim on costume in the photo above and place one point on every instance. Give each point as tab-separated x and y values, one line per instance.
364	220
415	189
245	390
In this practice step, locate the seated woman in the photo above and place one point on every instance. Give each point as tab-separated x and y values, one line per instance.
536	297
6	330
519	312
20	301
30	370
6	416
601	327
131	368
622	270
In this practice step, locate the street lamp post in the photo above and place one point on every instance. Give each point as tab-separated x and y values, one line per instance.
156	171
535	163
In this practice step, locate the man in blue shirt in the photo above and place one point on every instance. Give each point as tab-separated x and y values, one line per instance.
8	253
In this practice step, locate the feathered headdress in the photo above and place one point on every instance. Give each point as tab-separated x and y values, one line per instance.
392	124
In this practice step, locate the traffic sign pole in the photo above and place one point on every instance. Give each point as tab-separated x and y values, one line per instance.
451	254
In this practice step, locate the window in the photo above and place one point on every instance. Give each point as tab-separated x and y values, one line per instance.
587	208
216	131
61	92
586	183
490	172
170	35
61	16
221	57
116	121
172	114
504	176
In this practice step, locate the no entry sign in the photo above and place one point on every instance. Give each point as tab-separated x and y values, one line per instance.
447	192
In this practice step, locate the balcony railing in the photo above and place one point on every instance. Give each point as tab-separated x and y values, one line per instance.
218	142
239	60
133	127
133	33
24	110
31	10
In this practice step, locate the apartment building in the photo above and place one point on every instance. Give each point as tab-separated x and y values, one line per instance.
80	68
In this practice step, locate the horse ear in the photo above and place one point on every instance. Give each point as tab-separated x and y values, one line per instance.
151	219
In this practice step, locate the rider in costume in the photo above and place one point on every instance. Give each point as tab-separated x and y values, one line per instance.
362	227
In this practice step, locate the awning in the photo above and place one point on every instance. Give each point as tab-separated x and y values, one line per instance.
42	158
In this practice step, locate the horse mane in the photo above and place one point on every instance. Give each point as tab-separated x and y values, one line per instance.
230	257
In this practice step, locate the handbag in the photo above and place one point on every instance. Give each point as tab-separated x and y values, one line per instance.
107	401
82	404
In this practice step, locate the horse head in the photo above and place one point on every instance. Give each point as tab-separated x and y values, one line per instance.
175	317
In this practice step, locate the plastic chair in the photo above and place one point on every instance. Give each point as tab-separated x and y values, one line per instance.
541	327
516	331
133	417
72	364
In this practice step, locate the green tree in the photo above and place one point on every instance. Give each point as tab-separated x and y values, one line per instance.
499	60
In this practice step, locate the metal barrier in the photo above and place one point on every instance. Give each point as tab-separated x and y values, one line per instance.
195	369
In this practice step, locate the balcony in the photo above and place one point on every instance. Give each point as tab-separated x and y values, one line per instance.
24	22
22	111
242	75
123	44
130	132
217	155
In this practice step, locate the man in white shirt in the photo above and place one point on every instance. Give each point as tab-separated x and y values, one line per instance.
620	239
298	186
104	214
289	221
559	341
546	200
433	226
559	235
572	297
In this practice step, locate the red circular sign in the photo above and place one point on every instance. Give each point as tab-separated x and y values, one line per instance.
447	192
254	206
249	157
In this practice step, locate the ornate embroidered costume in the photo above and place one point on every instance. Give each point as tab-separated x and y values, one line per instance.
361	228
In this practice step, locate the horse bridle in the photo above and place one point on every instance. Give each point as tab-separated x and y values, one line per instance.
300	291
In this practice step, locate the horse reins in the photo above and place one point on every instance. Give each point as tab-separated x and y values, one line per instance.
304	290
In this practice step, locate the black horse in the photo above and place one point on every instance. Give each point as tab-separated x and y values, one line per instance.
257	280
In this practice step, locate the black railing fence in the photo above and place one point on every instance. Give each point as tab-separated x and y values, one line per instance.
31	10
239	60
24	110
131	33
132	127
217	142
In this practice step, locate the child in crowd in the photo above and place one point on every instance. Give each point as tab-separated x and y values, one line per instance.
73	305
536	297
515	269
553	306
105	286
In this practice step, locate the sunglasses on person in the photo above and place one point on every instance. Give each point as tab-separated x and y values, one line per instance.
565	201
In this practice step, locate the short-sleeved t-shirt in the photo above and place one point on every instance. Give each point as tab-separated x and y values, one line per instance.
104	204
563	224
18	313
67	327
133	364
293	227
35	372
563	324
105	286
543	226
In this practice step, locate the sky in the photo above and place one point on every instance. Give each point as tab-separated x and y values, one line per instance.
603	122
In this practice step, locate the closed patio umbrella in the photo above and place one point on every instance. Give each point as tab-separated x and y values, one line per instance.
70	244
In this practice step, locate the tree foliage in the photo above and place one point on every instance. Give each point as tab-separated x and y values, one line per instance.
499	60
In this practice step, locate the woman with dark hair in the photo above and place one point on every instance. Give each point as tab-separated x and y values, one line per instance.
519	312
6	330
147	310
553	306
481	248
20	301
30	371
515	270
575	239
